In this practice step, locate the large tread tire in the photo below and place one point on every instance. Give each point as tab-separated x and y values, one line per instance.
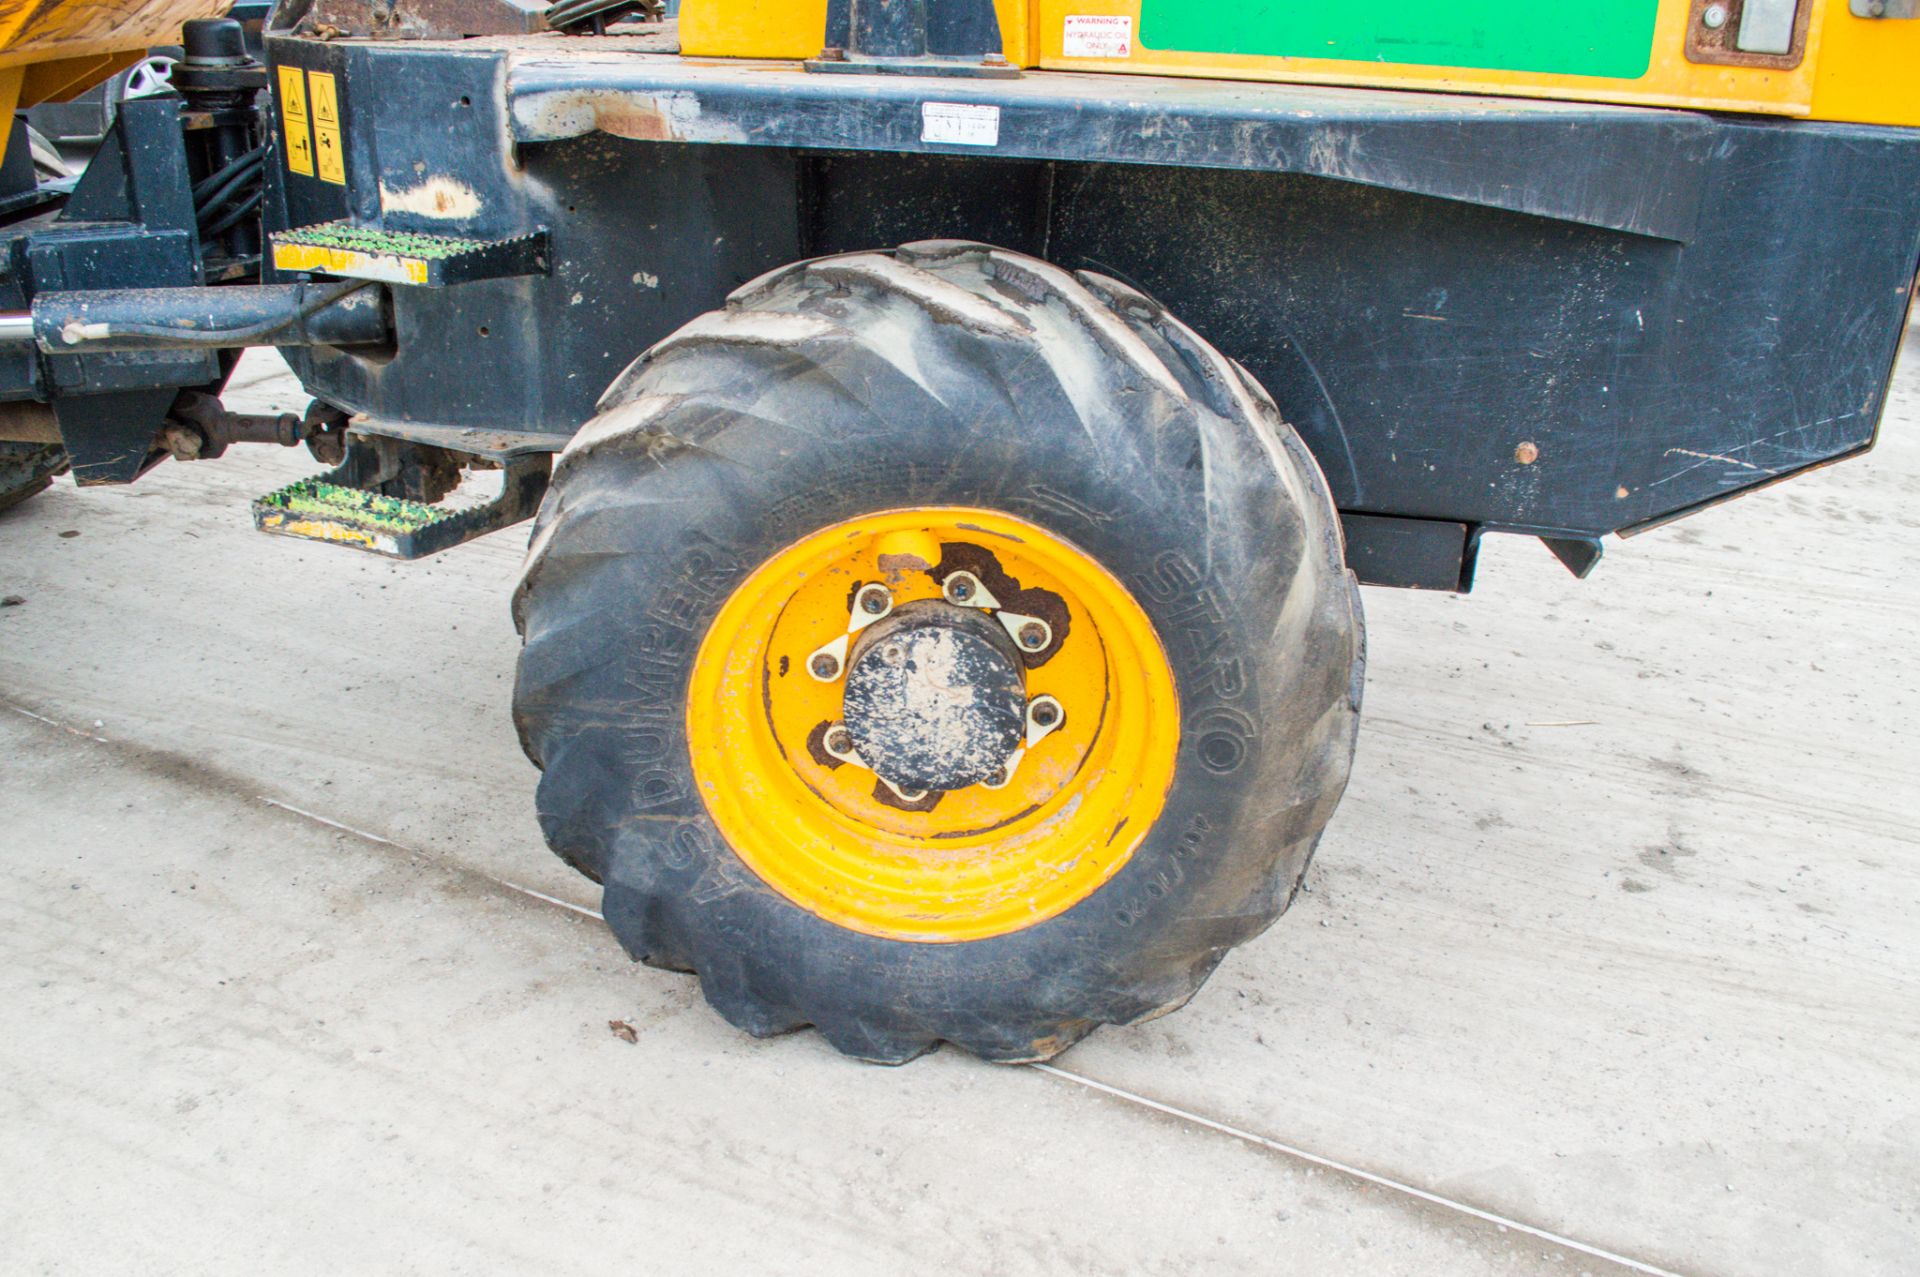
27	469
943	373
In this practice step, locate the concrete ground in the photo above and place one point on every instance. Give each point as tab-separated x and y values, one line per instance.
1614	938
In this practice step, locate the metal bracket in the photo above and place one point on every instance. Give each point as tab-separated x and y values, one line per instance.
963	589
1044	717
913	37
1029	633
871	602
1884	8
1771	34
843	749
991	67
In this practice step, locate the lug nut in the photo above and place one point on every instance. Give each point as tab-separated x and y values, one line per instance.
874	600
1045	714
998	779
839	740
824	665
1033	636
959	587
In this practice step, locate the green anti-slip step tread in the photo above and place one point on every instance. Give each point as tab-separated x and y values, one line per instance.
369	510
370	239
1611	38
417	258
324	508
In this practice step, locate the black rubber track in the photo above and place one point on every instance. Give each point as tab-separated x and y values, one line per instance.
943	373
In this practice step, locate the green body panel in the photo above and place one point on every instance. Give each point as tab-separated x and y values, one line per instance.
1612	38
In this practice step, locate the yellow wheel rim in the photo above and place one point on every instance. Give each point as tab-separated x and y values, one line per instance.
964	864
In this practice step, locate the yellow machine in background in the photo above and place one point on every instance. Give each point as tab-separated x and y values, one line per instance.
1821	59
54	49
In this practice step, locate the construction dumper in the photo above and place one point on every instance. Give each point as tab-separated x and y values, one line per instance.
954	432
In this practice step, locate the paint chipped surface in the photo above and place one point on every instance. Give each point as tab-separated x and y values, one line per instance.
671	115
442	198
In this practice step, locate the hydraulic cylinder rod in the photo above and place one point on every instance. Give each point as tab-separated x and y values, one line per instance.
347	313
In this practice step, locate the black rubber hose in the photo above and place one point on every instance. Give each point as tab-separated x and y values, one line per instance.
219	177
241	174
234	214
226	192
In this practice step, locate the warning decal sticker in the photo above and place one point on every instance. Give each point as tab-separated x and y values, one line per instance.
1090	36
326	127
293	114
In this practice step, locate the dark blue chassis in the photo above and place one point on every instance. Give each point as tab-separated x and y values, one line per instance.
1670	308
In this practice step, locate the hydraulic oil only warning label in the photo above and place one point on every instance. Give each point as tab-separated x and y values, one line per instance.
960	123
1097	36
293	115
326	127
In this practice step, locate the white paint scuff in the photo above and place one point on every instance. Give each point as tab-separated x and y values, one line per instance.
443	198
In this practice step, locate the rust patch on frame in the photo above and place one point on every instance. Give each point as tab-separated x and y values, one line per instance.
672	115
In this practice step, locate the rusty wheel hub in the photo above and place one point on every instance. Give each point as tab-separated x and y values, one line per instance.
935	697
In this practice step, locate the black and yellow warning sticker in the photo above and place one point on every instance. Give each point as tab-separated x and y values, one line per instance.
326	126
310	111
293	115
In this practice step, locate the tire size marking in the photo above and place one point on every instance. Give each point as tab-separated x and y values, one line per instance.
1194	615
960	123
693	844
660	657
703	576
1192	842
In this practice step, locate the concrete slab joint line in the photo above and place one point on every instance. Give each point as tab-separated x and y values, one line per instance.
332	824
1381	1181
1114	1092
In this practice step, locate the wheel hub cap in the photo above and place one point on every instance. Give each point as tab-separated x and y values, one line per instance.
935	697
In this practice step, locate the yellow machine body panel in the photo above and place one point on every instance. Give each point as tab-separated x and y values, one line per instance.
52	49
772	29
1808	58
1869	70
752	28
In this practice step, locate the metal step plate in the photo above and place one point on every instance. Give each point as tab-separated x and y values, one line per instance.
406	257
329	507
321	511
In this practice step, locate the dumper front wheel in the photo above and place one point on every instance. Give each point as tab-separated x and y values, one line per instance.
938	646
